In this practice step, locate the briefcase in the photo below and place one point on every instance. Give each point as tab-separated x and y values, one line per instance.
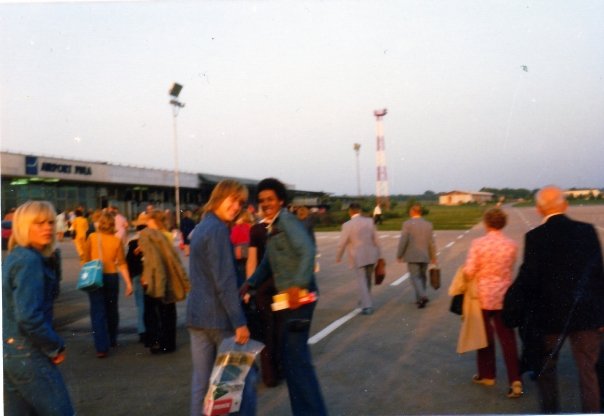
434	277
380	271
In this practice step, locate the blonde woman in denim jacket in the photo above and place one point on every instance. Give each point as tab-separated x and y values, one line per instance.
33	384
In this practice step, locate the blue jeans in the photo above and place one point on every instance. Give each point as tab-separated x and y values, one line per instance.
33	385
139	300
104	313
417	272
304	391
204	347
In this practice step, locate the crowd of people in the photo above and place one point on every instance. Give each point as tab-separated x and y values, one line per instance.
241	260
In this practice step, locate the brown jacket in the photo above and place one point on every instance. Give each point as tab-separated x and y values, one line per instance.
163	273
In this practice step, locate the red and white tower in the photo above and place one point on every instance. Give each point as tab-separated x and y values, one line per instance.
381	191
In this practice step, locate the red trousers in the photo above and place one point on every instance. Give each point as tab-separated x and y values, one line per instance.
507	340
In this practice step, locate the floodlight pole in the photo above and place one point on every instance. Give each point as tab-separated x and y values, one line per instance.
176	106
356	148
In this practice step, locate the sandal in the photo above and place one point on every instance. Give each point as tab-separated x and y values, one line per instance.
484	381
515	390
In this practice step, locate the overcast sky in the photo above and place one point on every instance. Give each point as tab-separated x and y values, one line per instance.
479	93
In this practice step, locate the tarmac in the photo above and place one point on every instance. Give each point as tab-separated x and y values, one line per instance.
400	360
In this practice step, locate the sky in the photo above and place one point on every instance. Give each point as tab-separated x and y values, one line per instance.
479	93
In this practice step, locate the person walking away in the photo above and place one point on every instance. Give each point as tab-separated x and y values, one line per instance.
377	214
61	225
165	282
80	229
214	311
134	260
121	225
32	349
289	258
240	238
104	310
559	292
490	262
360	238
416	247
186	226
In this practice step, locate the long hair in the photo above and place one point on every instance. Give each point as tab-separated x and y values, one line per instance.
25	216
222	191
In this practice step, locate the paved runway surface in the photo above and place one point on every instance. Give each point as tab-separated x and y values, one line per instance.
400	360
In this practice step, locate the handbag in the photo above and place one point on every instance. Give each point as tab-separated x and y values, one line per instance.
457	304
434	277
90	277
380	271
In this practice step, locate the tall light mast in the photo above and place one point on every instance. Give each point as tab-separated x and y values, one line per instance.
381	191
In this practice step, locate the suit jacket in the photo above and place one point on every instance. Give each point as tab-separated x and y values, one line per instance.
561	280
360	237
417	241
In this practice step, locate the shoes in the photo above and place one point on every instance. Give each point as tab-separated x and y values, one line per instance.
367	311
483	381
515	390
422	303
101	355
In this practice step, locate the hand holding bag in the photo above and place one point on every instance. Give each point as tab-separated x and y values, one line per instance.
91	274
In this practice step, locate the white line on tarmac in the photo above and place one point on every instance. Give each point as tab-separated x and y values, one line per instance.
333	326
450	244
400	280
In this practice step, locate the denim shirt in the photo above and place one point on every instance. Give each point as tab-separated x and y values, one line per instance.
28	286
214	298
289	256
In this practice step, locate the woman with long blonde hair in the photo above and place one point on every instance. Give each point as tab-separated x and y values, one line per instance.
32	349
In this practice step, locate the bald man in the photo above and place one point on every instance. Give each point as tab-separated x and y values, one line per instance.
561	285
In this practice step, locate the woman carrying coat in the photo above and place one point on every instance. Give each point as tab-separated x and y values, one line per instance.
33	384
490	263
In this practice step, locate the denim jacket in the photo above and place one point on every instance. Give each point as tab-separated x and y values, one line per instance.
289	256
28	286
214	298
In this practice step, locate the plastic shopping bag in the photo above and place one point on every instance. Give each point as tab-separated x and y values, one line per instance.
228	376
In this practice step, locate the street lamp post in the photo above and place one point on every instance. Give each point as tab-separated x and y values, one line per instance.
356	148
176	106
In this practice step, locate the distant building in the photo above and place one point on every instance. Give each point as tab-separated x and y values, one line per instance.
68	183
462	197
583	193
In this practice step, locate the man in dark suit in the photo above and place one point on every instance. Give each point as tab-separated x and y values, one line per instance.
416	247
561	285
360	237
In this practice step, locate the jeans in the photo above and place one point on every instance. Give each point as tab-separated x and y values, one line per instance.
139	299
104	313
304	391
33	386
204	348
417	272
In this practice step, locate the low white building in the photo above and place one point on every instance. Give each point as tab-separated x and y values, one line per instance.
463	197
583	193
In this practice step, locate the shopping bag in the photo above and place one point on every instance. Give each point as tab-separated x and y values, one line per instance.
231	367
91	276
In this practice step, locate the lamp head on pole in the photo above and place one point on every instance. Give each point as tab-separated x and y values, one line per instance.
175	90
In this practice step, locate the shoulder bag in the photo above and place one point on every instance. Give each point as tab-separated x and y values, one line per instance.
91	274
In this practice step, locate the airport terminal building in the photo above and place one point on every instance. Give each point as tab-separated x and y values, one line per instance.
70	183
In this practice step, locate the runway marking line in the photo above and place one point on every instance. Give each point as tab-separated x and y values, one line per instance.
400	280
333	326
